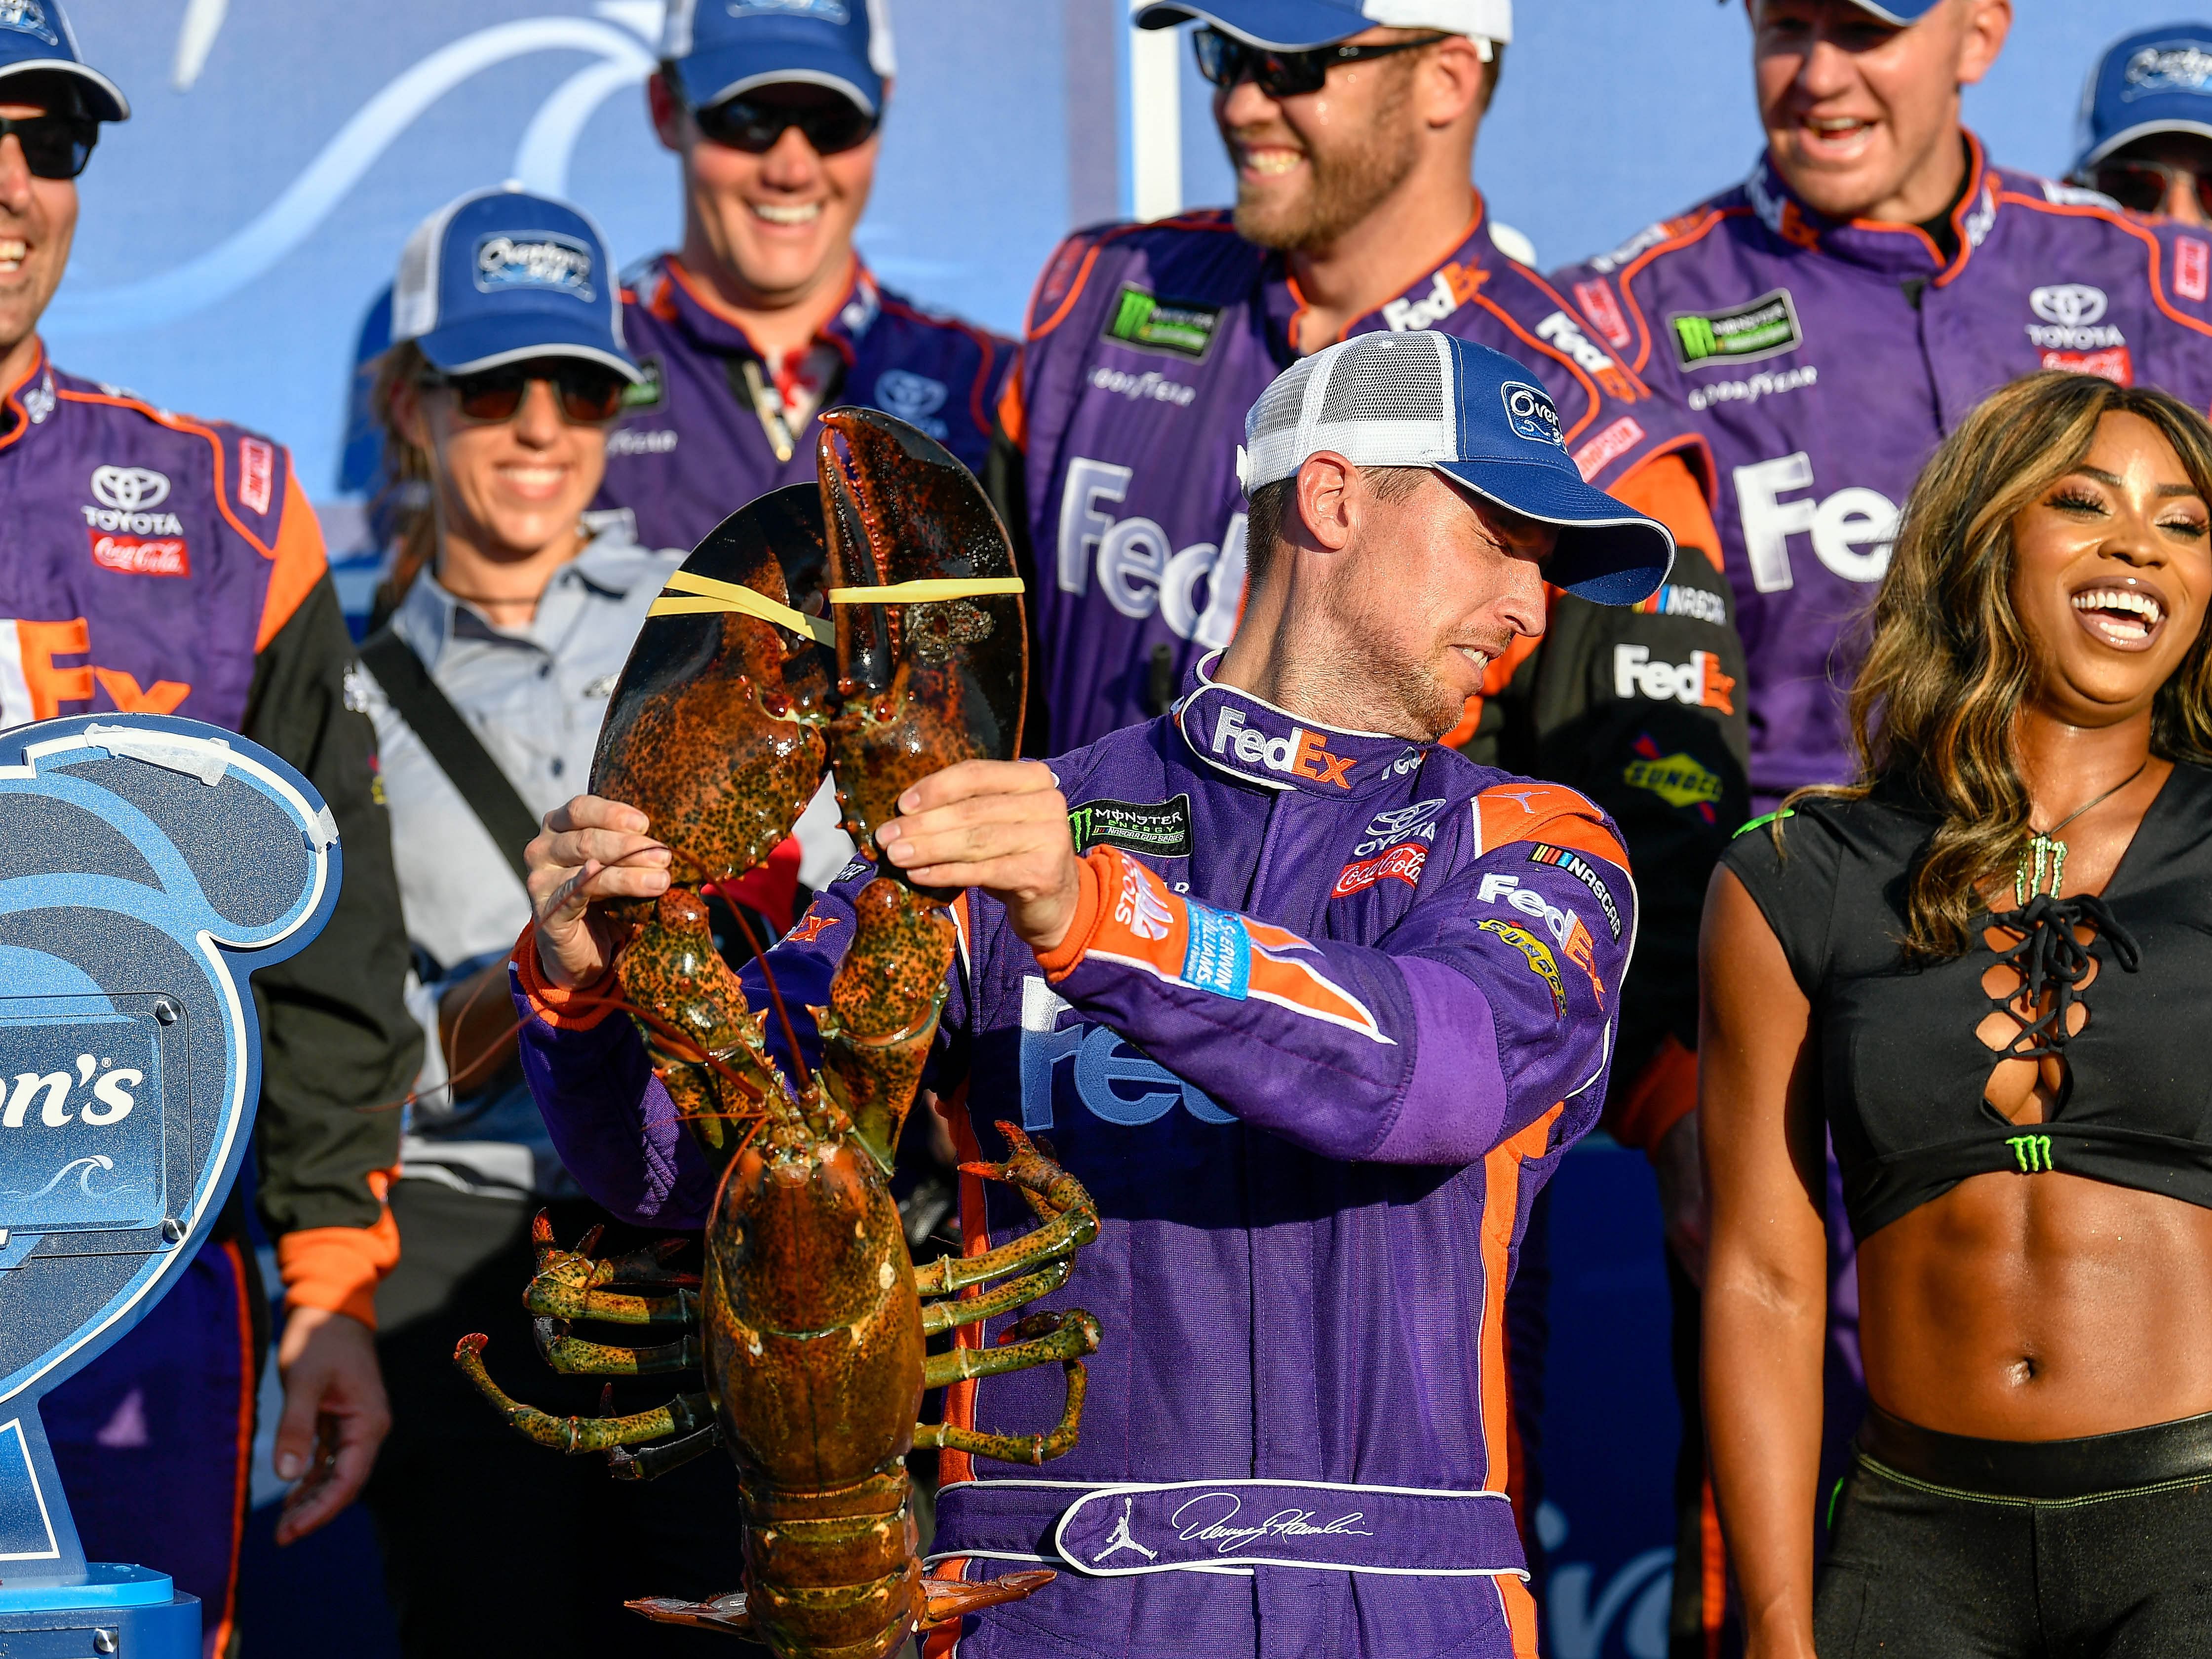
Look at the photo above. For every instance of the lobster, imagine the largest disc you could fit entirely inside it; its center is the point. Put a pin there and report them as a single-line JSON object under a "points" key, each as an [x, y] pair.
{"points": [[811, 1319]]}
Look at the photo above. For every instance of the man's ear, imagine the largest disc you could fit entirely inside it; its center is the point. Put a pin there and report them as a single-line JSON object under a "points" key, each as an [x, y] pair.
{"points": [[1450, 80], [1326, 510], [1988, 23], [666, 108]]}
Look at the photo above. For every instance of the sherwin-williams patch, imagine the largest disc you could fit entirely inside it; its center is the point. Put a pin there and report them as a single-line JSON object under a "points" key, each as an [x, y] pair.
{"points": [[1766, 327], [1182, 328], [1160, 827], [1218, 956]]}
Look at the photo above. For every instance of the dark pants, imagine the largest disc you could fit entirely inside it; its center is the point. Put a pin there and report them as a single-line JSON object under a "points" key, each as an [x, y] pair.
{"points": [[493, 1544], [1918, 1567], [152, 1438]]}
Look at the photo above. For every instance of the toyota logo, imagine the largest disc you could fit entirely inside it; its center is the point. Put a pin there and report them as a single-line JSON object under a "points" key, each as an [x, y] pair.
{"points": [[2069, 305], [130, 488]]}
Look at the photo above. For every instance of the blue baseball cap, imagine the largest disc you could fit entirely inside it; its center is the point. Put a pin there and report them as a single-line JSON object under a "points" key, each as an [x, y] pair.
{"points": [[2154, 81], [1903, 13], [1426, 399], [36, 38], [722, 48], [500, 276], [1298, 25]]}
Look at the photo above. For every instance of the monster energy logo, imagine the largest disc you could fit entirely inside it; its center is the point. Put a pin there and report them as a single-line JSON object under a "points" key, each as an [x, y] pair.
{"points": [[1182, 327], [2032, 1152], [1764, 328], [1159, 828]]}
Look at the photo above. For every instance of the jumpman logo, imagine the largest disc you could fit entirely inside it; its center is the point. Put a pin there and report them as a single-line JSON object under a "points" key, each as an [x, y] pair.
{"points": [[1519, 796], [1118, 1539]]}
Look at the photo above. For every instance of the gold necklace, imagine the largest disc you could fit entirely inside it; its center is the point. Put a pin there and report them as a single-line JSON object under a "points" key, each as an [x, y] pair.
{"points": [[2044, 847]]}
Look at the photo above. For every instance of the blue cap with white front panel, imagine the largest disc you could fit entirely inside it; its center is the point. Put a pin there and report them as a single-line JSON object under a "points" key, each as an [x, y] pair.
{"points": [[724, 48], [2154, 81], [500, 276], [36, 38]]}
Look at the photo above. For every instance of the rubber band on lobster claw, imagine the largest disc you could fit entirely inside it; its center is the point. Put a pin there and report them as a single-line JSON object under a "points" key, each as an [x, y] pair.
{"points": [[809, 1321]]}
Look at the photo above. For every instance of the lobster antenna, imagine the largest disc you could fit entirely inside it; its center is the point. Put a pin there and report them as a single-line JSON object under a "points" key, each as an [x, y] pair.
{"points": [[775, 996]]}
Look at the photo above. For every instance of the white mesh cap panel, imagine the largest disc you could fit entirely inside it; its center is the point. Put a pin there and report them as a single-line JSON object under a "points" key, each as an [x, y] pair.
{"points": [[1488, 19], [415, 289], [881, 57], [1377, 400], [676, 30]]}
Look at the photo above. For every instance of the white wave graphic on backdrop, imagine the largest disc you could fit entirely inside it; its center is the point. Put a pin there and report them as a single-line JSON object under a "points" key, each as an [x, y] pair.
{"points": [[541, 159]]}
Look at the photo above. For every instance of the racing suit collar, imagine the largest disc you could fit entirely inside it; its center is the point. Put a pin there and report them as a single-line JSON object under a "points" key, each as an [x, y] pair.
{"points": [[26, 405], [680, 297], [1445, 284], [1254, 742], [1896, 251]]}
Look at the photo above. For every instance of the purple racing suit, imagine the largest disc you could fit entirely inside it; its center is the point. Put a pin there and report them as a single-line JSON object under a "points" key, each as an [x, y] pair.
{"points": [[1332, 1009], [1145, 346], [694, 447], [1824, 363]]}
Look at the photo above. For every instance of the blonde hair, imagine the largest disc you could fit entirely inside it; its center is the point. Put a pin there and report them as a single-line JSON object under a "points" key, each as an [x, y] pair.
{"points": [[404, 497]]}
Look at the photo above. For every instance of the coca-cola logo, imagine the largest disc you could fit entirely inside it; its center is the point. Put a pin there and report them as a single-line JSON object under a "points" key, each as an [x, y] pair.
{"points": [[1403, 863], [140, 555]]}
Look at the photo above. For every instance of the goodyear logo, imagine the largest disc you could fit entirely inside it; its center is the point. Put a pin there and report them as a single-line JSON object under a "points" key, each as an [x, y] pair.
{"points": [[1541, 961], [1182, 328]]}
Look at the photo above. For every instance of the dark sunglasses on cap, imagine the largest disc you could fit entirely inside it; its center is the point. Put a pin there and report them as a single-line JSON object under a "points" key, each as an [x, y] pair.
{"points": [[590, 394], [754, 125], [1225, 60], [54, 146], [2142, 186]]}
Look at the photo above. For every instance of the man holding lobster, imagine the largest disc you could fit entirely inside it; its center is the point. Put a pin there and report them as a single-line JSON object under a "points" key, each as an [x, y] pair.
{"points": [[1310, 1003]]}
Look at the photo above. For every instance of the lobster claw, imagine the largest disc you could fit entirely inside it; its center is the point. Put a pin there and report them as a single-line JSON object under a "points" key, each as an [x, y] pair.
{"points": [[713, 731], [936, 677]]}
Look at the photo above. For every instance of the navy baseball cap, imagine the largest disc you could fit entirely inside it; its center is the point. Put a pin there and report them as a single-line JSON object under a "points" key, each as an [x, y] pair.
{"points": [[2154, 80], [722, 48], [1296, 25], [500, 276], [1426, 399], [36, 38]]}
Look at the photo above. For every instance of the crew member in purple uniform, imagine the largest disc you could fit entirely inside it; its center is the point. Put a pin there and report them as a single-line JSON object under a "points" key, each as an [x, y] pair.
{"points": [[151, 560], [1824, 324], [1311, 1003], [766, 315]]}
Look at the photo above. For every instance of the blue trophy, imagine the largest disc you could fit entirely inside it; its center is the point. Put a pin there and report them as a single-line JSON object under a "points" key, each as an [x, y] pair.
{"points": [[148, 865]]}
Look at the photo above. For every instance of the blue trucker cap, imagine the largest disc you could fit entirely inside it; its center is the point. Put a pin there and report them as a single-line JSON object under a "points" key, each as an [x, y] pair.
{"points": [[1903, 13], [35, 37], [1295, 25], [722, 48], [1426, 399], [500, 276], [2154, 81]]}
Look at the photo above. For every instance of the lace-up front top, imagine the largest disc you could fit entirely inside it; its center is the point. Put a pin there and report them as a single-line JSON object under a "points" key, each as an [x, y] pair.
{"points": [[2104, 993]]}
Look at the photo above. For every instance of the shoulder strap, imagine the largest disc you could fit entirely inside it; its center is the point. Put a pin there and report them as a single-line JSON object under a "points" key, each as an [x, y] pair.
{"points": [[459, 753]]}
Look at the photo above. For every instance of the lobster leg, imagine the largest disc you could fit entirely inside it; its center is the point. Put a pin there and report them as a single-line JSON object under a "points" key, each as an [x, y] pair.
{"points": [[1072, 1221], [949, 1315], [653, 1461], [1063, 1336], [681, 1415], [571, 1354], [947, 1599], [551, 1296]]}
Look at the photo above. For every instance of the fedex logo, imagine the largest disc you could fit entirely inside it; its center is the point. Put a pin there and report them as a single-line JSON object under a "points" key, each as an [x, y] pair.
{"points": [[34, 684], [1565, 927], [1140, 571], [1114, 1082], [1451, 287], [1571, 340], [1302, 752], [1851, 530], [1698, 682]]}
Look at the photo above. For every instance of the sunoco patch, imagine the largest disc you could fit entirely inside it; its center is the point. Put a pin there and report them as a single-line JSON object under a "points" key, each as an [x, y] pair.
{"points": [[1766, 327], [1160, 827], [1583, 872], [1182, 328]]}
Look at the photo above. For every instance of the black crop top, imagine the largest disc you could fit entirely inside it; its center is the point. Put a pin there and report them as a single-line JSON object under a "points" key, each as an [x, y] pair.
{"points": [[1902, 1070]]}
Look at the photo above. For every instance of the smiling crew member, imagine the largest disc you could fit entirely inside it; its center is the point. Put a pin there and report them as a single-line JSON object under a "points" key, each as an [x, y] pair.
{"points": [[1312, 1143], [1354, 145], [1826, 323], [766, 315], [2147, 123], [161, 563]]}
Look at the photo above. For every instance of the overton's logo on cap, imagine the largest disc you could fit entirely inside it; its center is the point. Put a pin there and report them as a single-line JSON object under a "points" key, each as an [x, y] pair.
{"points": [[2167, 66], [28, 17], [547, 259], [1532, 415]]}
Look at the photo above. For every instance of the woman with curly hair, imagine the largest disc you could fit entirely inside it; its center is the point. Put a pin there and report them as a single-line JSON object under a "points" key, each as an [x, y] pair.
{"points": [[1980, 970]]}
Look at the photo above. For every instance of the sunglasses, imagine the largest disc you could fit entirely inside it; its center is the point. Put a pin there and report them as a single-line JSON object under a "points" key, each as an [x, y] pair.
{"points": [[54, 146], [755, 126], [2142, 186], [589, 394], [1225, 61]]}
